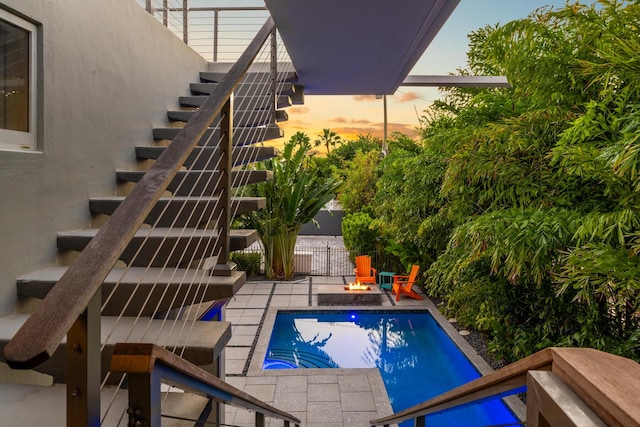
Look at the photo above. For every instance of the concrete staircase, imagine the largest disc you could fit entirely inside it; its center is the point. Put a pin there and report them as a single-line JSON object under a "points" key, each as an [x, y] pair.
{"points": [[142, 288]]}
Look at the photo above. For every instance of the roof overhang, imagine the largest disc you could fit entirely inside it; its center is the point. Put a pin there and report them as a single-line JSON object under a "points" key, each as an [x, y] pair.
{"points": [[455, 81], [357, 47]]}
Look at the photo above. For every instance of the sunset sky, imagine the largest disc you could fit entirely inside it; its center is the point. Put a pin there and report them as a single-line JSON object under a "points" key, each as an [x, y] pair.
{"points": [[352, 115]]}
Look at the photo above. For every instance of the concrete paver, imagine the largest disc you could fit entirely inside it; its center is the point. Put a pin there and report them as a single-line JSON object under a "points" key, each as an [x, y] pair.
{"points": [[327, 397], [318, 397]]}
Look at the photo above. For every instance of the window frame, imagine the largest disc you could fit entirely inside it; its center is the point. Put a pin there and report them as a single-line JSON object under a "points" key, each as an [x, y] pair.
{"points": [[11, 140]]}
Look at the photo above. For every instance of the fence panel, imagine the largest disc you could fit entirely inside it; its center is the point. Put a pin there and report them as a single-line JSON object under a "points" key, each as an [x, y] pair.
{"points": [[328, 260]]}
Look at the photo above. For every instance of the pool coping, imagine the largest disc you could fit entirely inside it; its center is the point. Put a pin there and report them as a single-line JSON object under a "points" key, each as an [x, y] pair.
{"points": [[378, 389]]}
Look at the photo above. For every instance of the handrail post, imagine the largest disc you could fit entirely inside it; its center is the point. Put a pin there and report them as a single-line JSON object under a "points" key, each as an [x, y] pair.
{"points": [[83, 367], [165, 13], [223, 210], [274, 74], [185, 21], [215, 35], [144, 399], [147, 6]]}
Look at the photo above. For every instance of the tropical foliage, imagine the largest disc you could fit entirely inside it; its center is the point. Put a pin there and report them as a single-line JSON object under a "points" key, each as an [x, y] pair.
{"points": [[294, 196], [523, 204], [329, 139]]}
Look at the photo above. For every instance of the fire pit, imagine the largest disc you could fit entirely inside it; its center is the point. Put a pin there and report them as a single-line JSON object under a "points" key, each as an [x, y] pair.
{"points": [[352, 294], [357, 287]]}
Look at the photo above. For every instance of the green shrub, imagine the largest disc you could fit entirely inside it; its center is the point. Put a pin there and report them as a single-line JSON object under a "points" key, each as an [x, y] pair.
{"points": [[247, 262], [357, 232]]}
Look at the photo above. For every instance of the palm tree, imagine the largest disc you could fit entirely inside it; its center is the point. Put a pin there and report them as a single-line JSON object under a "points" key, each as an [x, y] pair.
{"points": [[294, 196], [329, 138]]}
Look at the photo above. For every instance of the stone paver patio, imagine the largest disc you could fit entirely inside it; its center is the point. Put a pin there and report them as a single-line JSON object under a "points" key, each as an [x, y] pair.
{"points": [[319, 397]]}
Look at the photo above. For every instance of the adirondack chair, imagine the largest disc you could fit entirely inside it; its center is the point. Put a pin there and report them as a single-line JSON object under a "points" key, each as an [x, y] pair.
{"points": [[402, 284], [364, 272]]}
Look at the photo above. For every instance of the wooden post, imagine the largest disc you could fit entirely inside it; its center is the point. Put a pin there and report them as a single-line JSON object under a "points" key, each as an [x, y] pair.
{"points": [[83, 367], [551, 402], [144, 399], [223, 210], [274, 75]]}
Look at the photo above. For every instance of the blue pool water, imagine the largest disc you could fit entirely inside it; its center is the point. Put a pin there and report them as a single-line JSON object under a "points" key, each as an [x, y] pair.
{"points": [[416, 358]]}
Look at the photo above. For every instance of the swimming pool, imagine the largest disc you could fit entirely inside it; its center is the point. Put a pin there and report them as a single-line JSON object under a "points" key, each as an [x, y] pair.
{"points": [[416, 358]]}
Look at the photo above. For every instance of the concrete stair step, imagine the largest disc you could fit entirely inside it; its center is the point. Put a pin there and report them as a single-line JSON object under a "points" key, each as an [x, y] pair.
{"points": [[256, 66], [180, 211], [201, 183], [240, 102], [202, 346], [241, 118], [206, 158], [241, 136], [243, 89], [297, 96], [282, 76], [162, 246], [142, 291]]}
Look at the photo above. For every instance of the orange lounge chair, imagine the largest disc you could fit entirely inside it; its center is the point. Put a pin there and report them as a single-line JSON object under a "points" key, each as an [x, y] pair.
{"points": [[364, 272], [403, 284]]}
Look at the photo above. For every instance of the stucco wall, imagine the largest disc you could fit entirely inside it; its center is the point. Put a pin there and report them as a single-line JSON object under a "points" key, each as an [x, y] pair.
{"points": [[109, 74]]}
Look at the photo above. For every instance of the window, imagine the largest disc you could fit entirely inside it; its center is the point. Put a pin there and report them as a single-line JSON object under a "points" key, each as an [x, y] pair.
{"points": [[17, 83]]}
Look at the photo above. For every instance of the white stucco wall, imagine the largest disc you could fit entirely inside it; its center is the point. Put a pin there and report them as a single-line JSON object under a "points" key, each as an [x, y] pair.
{"points": [[109, 72]]}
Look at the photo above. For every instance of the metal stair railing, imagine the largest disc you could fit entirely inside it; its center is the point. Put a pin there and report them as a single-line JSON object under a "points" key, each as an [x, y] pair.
{"points": [[146, 365], [218, 33], [565, 387], [72, 307]]}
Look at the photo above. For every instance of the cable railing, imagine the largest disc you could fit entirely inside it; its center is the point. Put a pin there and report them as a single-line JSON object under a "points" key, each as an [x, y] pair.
{"points": [[175, 249], [219, 34]]}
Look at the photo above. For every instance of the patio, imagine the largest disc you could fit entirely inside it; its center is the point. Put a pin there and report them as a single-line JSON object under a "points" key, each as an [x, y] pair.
{"points": [[319, 397]]}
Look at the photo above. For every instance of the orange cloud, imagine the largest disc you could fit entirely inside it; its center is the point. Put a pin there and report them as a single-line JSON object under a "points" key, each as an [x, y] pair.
{"points": [[406, 96], [352, 121], [298, 110], [364, 98], [375, 130]]}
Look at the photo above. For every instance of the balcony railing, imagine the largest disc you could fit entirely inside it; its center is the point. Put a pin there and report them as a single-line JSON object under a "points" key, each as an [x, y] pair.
{"points": [[219, 34]]}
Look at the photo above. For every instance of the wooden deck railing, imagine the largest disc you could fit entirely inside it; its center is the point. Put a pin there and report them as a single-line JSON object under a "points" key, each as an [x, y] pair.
{"points": [[565, 386], [146, 364]]}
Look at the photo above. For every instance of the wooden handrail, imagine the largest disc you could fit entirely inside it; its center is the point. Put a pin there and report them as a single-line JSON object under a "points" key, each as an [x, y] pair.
{"points": [[143, 359], [608, 384], [483, 387], [41, 334]]}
